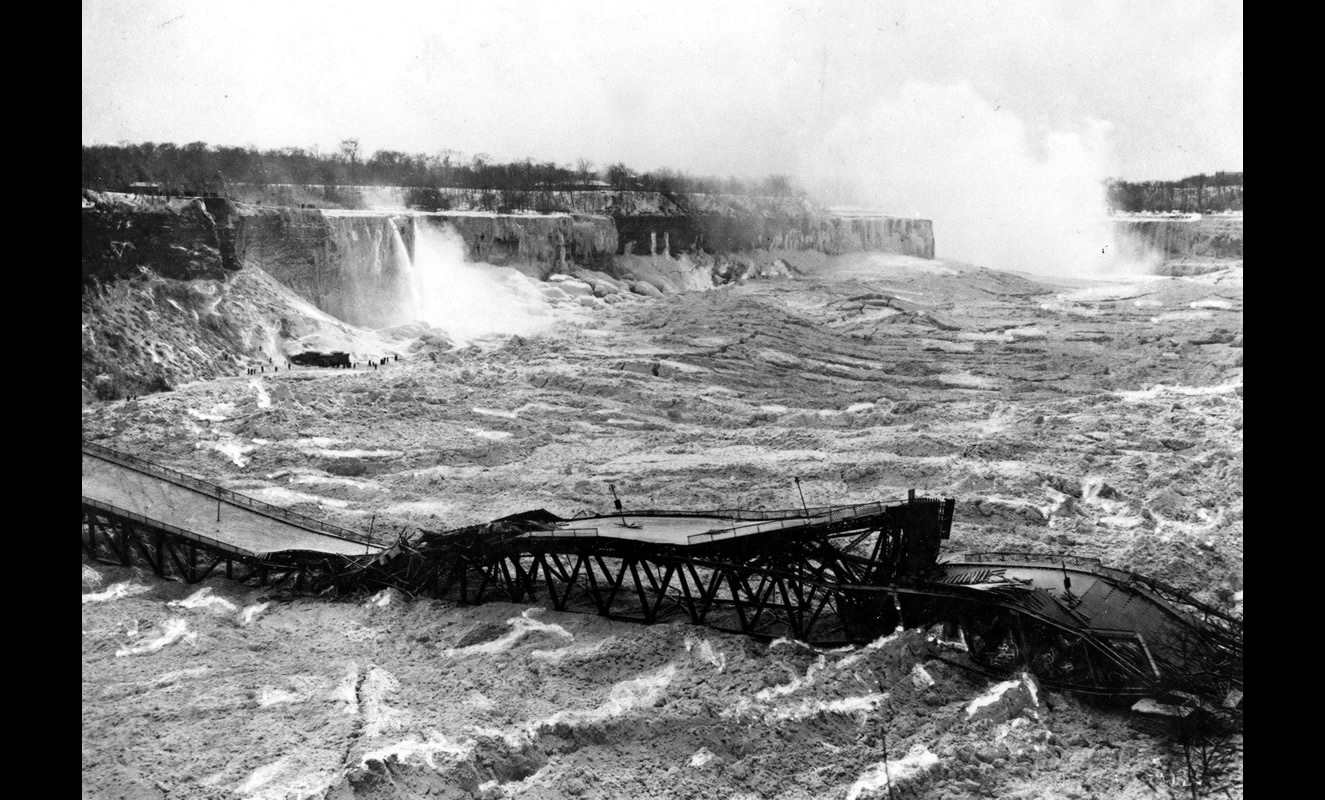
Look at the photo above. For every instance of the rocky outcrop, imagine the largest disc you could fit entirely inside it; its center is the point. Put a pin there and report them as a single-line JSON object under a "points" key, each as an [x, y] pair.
{"points": [[173, 237]]}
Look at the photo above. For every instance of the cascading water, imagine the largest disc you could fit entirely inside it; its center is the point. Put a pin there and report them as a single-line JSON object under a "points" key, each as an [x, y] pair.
{"points": [[469, 300], [410, 307], [364, 274]]}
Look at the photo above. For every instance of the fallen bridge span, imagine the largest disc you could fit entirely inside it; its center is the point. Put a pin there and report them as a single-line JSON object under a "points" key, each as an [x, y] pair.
{"points": [[826, 576], [138, 512]]}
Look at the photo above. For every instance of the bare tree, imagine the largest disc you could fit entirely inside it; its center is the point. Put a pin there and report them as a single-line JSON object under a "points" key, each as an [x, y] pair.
{"points": [[1201, 675], [349, 153], [619, 176], [1202, 752], [480, 164], [584, 169]]}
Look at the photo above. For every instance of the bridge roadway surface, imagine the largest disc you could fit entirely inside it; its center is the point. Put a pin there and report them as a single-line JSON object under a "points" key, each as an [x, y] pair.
{"points": [[679, 529], [658, 530], [247, 531]]}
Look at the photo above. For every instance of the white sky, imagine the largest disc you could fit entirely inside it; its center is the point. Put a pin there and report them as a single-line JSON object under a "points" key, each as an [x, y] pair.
{"points": [[908, 106], [746, 88]]}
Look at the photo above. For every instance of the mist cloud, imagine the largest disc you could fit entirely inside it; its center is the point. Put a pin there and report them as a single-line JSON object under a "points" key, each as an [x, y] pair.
{"points": [[1001, 193], [469, 300], [986, 120]]}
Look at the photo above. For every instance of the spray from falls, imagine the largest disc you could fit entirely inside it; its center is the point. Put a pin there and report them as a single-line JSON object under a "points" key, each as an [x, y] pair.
{"points": [[468, 300], [364, 270], [410, 304], [1002, 192]]}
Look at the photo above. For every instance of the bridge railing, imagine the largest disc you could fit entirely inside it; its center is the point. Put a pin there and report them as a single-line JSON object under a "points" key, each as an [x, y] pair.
{"points": [[1169, 594], [1052, 559], [165, 526], [776, 520], [735, 513], [561, 533], [828, 515], [226, 495]]}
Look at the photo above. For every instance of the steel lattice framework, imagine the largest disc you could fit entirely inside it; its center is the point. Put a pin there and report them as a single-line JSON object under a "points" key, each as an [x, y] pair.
{"points": [[826, 576]]}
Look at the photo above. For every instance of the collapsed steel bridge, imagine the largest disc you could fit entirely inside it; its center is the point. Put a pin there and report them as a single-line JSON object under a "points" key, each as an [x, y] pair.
{"points": [[827, 576], [138, 513]]}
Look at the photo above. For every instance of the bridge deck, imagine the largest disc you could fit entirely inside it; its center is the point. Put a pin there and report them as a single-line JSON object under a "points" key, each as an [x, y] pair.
{"points": [[659, 530], [677, 529], [245, 530], [1098, 602]]}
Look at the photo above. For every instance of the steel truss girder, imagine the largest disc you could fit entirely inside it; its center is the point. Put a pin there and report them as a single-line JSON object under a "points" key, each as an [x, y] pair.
{"points": [[111, 539], [761, 598], [818, 589]]}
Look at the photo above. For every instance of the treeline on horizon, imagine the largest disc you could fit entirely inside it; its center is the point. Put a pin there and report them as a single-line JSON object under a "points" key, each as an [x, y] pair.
{"points": [[200, 167], [1194, 193]]}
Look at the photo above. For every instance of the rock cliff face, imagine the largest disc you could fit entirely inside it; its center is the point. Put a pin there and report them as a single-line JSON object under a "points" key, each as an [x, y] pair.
{"points": [[719, 233], [535, 244], [649, 223], [1209, 237], [174, 237], [644, 222], [352, 265], [357, 265]]}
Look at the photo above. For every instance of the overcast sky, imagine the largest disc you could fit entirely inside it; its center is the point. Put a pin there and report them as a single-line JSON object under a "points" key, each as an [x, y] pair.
{"points": [[713, 87], [881, 100]]}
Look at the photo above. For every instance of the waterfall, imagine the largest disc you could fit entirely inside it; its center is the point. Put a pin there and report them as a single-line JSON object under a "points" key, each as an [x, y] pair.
{"points": [[364, 274], [410, 307], [469, 300], [367, 271]]}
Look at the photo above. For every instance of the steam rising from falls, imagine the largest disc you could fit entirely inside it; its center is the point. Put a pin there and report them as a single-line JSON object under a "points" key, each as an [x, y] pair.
{"points": [[1001, 192], [468, 300]]}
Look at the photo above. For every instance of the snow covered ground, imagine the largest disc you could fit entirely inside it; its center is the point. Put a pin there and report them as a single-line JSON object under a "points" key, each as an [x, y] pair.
{"points": [[1115, 434]]}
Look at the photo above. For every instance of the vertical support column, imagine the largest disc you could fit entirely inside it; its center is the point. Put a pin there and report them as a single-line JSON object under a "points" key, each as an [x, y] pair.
{"points": [[1090, 663], [159, 546], [736, 598], [123, 543], [592, 583], [1022, 644], [90, 543], [645, 608]]}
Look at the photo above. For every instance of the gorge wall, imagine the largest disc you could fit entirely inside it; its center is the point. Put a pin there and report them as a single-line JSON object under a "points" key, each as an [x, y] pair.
{"points": [[358, 264], [167, 298], [174, 237], [645, 222], [354, 264], [720, 224], [1173, 238]]}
